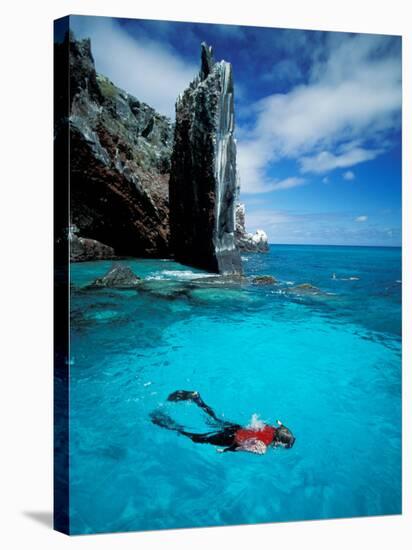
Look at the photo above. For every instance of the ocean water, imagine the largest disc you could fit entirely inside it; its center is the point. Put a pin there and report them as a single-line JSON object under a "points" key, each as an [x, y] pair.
{"points": [[327, 364]]}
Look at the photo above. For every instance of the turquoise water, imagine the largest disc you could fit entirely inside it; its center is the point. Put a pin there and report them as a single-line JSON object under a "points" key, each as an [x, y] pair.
{"points": [[328, 365]]}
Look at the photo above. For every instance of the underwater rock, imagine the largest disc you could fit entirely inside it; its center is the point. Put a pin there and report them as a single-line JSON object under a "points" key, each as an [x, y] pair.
{"points": [[216, 285], [118, 276], [222, 295], [83, 250], [305, 288], [264, 280], [203, 182], [166, 289], [220, 288], [249, 242], [221, 280]]}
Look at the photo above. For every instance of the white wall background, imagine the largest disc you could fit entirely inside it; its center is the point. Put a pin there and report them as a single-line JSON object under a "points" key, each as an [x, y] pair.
{"points": [[26, 269]]}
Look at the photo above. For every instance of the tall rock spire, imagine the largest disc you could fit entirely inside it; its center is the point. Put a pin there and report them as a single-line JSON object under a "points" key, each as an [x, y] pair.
{"points": [[207, 60], [203, 179]]}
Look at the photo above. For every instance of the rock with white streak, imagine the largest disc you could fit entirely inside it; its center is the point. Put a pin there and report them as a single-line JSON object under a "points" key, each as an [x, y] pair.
{"points": [[202, 186]]}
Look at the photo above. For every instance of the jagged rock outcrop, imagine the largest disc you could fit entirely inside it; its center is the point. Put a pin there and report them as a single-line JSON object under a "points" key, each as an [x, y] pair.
{"points": [[120, 152], [120, 162], [202, 185], [305, 289], [264, 280], [83, 250], [249, 242], [118, 276]]}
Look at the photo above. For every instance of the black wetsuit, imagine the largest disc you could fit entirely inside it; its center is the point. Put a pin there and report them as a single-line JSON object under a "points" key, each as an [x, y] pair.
{"points": [[223, 436]]}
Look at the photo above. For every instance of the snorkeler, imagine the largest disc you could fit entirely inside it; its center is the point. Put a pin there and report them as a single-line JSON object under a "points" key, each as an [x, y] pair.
{"points": [[233, 437]]}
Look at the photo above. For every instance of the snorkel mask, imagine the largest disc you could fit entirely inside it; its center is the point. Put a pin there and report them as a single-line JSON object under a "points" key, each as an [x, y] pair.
{"points": [[283, 437]]}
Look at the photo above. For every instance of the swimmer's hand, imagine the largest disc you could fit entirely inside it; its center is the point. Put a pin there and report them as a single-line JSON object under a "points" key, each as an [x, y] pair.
{"points": [[253, 446]]}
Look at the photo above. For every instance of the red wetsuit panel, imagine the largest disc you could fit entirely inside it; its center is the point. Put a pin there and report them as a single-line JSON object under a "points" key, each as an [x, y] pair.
{"points": [[266, 435]]}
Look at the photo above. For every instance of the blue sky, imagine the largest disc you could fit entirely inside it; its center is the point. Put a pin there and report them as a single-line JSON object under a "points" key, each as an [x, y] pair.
{"points": [[318, 118]]}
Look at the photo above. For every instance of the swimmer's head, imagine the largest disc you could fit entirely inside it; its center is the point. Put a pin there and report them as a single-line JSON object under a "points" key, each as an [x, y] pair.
{"points": [[283, 437]]}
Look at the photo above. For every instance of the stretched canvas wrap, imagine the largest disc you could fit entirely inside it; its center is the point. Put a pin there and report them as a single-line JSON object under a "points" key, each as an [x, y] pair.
{"points": [[227, 275]]}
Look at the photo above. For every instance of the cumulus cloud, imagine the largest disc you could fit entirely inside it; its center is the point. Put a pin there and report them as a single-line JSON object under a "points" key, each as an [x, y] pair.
{"points": [[339, 118], [252, 159], [152, 71], [348, 176], [361, 219], [251, 162]]}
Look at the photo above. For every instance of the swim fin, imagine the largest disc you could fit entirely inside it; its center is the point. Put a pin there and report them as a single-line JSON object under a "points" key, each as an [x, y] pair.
{"points": [[183, 395], [194, 396], [164, 421]]}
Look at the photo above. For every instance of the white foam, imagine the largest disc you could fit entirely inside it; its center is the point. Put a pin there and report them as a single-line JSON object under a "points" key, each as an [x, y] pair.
{"points": [[155, 278], [256, 423], [179, 275]]}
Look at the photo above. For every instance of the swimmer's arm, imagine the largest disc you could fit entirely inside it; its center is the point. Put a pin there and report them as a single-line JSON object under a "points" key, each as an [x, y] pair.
{"points": [[249, 446], [253, 446]]}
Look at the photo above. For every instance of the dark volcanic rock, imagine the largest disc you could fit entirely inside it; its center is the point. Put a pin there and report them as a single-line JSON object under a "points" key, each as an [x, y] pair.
{"points": [[118, 276], [228, 280], [306, 289], [83, 250], [264, 280], [249, 242], [203, 171], [120, 152]]}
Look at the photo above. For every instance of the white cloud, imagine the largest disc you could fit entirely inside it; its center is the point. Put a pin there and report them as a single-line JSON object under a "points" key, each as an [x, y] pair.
{"points": [[252, 159], [288, 183], [348, 176], [269, 219], [296, 227], [150, 70], [361, 219], [351, 100], [326, 161]]}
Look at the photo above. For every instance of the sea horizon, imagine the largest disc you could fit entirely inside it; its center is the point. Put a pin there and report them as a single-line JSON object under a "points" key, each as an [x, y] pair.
{"points": [[337, 245]]}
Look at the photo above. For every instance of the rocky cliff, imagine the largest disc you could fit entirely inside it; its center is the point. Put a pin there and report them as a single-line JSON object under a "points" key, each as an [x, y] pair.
{"points": [[120, 152], [249, 242], [203, 171]]}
